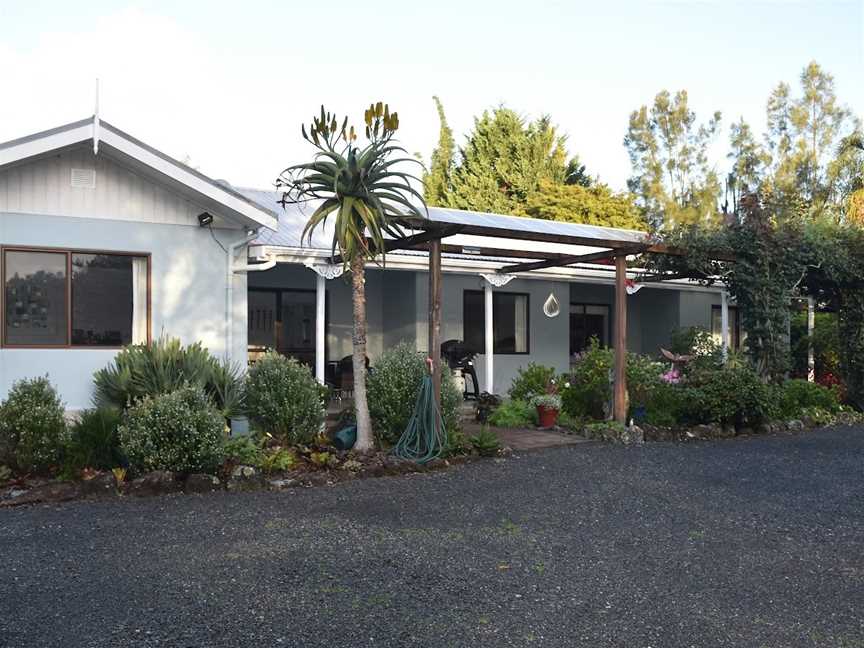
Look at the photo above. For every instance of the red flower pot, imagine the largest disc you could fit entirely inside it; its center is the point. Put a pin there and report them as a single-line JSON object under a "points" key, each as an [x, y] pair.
{"points": [[548, 416]]}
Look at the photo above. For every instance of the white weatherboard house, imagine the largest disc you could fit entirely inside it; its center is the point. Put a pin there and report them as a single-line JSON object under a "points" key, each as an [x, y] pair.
{"points": [[105, 241]]}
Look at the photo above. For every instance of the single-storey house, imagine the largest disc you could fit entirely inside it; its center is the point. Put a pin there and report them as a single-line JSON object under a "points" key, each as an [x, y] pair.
{"points": [[105, 241]]}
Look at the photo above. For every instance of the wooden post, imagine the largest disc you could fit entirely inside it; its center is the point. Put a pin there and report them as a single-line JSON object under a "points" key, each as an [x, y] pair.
{"points": [[435, 314], [811, 328], [620, 386], [724, 323]]}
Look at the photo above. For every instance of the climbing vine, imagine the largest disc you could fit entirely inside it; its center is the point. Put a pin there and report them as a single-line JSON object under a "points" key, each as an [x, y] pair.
{"points": [[766, 259]]}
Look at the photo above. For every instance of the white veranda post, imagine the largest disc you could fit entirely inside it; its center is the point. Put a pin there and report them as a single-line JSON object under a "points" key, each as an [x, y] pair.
{"points": [[496, 280], [323, 272], [724, 322]]}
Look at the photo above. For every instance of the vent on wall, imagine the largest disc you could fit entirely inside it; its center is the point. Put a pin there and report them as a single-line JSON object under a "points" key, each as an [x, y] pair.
{"points": [[84, 178]]}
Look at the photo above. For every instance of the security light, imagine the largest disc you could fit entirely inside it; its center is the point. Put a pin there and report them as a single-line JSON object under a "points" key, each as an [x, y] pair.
{"points": [[205, 218]]}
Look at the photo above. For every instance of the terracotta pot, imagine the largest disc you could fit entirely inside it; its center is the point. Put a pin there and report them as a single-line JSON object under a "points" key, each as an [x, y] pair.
{"points": [[548, 416]]}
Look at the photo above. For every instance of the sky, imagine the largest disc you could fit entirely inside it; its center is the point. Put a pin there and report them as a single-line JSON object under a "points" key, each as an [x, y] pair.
{"points": [[226, 86]]}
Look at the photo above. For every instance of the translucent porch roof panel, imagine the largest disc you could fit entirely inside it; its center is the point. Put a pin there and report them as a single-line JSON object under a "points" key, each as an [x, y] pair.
{"points": [[523, 228]]}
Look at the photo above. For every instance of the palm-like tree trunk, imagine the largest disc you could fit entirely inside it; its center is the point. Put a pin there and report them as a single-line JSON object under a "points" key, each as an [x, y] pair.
{"points": [[364, 423]]}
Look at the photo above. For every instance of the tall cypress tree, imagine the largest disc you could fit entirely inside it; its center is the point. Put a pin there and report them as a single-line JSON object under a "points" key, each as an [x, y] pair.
{"points": [[437, 180]]}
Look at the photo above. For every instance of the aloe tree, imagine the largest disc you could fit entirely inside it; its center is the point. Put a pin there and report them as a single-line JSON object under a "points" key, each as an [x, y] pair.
{"points": [[368, 198]]}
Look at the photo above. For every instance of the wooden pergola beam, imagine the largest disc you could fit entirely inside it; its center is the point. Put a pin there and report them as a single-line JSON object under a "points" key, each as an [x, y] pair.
{"points": [[410, 241], [571, 259]]}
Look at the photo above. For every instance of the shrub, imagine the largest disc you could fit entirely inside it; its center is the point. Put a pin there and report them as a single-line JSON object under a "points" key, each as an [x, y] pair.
{"points": [[180, 431], [732, 396], [392, 388], [457, 444], [32, 427], [485, 442], [284, 399], [531, 381], [164, 366], [797, 395], [93, 441], [243, 450], [587, 391], [668, 405], [514, 414]]}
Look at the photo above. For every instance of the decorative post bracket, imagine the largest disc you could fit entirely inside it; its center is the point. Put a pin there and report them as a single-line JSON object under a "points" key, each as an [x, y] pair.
{"points": [[326, 270], [498, 280]]}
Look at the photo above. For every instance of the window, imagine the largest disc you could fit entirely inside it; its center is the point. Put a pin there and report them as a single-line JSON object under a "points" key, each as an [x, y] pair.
{"points": [[80, 299], [509, 322], [588, 321], [735, 338], [283, 320]]}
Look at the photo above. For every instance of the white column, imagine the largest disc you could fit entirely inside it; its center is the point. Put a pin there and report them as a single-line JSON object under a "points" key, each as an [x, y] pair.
{"points": [[497, 280], [320, 332], [323, 272], [724, 322], [811, 327], [489, 332]]}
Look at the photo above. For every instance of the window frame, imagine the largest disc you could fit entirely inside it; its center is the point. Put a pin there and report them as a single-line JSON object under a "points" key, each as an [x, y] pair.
{"points": [[609, 314], [69, 252], [736, 343], [482, 351]]}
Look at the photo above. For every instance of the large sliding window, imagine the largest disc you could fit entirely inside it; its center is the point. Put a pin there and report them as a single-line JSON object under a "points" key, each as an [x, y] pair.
{"points": [[62, 298], [510, 324]]}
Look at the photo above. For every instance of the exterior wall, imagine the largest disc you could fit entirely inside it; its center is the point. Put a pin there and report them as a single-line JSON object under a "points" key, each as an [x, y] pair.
{"points": [[695, 308], [188, 292], [44, 187], [397, 310]]}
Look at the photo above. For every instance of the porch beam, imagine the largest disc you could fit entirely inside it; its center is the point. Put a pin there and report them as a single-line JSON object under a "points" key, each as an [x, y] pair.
{"points": [[724, 323], [410, 241], [435, 315], [489, 341], [620, 373], [811, 328], [570, 260]]}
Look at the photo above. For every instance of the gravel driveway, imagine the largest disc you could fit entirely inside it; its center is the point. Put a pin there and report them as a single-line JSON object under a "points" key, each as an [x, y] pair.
{"points": [[745, 542]]}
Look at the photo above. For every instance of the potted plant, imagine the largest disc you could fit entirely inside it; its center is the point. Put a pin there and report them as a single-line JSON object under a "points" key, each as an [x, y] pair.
{"points": [[548, 405]]}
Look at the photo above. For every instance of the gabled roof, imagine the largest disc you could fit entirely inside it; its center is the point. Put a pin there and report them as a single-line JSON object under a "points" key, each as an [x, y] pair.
{"points": [[117, 144]]}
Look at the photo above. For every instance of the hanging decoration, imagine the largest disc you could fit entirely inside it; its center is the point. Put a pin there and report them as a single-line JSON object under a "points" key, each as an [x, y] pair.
{"points": [[551, 307], [632, 287]]}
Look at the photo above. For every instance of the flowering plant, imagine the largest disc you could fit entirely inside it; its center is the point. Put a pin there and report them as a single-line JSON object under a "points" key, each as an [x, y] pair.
{"points": [[549, 401], [671, 377]]}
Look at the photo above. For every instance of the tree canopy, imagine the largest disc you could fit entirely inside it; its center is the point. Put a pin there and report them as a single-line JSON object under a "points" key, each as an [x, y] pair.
{"points": [[672, 178]]}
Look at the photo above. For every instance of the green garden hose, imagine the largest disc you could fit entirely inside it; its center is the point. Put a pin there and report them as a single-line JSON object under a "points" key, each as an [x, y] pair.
{"points": [[423, 440]]}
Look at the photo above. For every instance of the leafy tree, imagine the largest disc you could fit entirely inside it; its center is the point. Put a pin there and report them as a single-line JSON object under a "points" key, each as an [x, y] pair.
{"points": [[749, 160], [668, 150], [803, 136], [503, 161], [437, 181], [596, 204], [368, 198], [575, 173]]}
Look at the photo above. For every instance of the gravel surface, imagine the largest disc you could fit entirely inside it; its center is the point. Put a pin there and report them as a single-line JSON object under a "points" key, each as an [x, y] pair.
{"points": [[745, 542]]}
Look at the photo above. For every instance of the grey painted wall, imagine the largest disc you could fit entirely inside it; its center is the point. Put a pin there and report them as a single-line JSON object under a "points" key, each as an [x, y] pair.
{"points": [[188, 278], [695, 308]]}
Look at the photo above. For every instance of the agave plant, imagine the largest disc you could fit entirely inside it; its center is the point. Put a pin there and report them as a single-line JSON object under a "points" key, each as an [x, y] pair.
{"points": [[369, 199]]}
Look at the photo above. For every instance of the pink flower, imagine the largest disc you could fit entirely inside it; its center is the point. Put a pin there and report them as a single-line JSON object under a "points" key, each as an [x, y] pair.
{"points": [[671, 377]]}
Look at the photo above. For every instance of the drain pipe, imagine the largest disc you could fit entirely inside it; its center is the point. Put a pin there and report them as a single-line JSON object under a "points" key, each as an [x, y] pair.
{"points": [[231, 270]]}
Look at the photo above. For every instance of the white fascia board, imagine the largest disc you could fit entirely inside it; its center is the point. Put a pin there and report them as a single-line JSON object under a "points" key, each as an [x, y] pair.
{"points": [[300, 255], [29, 148], [188, 179]]}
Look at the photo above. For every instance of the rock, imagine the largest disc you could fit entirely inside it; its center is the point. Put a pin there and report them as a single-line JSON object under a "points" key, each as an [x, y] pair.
{"points": [[633, 435], [201, 483], [706, 431], [281, 484], [351, 465], [243, 472], [795, 426], [245, 478], [316, 479], [158, 482], [50, 492], [101, 484]]}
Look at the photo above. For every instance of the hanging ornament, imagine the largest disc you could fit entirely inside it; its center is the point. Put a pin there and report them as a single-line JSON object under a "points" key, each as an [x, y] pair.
{"points": [[551, 308], [632, 287]]}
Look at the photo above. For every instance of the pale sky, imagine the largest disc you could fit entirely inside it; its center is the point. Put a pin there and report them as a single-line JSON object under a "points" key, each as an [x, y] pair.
{"points": [[228, 84]]}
